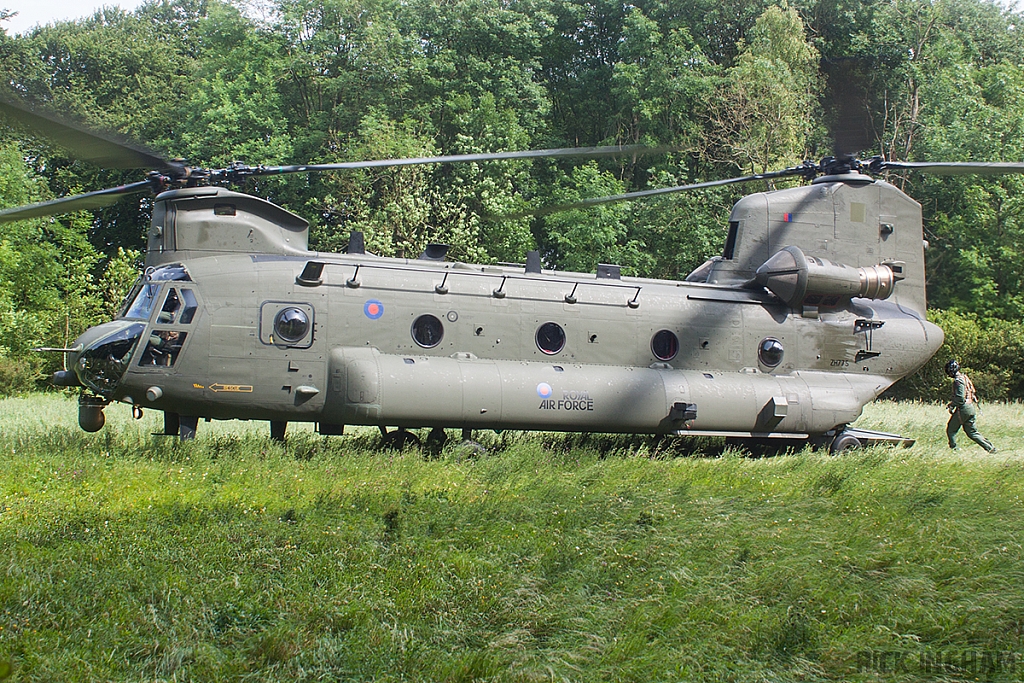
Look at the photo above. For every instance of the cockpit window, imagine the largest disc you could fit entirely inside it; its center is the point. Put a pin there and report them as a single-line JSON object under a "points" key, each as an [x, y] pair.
{"points": [[142, 306], [163, 348], [172, 271], [191, 306], [172, 304]]}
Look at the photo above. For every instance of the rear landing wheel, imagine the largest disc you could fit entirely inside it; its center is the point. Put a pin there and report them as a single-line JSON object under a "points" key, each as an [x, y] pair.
{"points": [[844, 442]]}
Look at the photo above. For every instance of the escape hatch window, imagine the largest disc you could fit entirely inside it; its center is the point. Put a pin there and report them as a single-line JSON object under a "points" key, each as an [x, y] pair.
{"points": [[287, 324], [291, 325], [427, 331], [770, 352], [664, 345], [550, 338]]}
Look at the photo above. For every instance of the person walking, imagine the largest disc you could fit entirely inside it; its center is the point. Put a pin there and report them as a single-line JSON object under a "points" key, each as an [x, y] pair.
{"points": [[963, 409]]}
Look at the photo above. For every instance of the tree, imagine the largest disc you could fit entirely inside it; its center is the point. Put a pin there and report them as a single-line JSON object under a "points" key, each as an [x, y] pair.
{"points": [[762, 117]]}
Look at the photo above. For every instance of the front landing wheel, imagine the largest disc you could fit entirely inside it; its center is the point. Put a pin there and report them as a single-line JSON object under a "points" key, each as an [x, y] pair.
{"points": [[398, 440]]}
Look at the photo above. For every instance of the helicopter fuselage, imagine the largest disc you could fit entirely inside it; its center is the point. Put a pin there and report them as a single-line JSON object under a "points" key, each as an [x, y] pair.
{"points": [[222, 329]]}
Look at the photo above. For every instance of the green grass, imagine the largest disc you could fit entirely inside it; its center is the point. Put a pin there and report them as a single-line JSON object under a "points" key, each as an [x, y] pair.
{"points": [[129, 557]]}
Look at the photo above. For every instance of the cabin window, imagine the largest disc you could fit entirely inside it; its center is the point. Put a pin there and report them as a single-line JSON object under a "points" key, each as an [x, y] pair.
{"points": [[770, 352], [427, 331], [163, 348], [550, 338], [291, 325], [664, 345]]}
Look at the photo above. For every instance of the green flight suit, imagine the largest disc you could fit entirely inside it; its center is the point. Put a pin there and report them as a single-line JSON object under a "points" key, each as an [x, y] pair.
{"points": [[964, 413]]}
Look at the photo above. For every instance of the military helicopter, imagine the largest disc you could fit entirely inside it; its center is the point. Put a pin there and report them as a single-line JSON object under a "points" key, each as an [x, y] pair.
{"points": [[815, 306]]}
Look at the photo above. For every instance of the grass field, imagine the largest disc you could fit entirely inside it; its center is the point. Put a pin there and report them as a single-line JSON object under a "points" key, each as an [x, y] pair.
{"points": [[128, 557]]}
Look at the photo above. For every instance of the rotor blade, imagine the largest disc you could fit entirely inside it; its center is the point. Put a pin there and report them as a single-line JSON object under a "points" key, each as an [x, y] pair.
{"points": [[492, 156], [87, 145], [78, 202], [596, 201], [851, 122], [954, 167]]}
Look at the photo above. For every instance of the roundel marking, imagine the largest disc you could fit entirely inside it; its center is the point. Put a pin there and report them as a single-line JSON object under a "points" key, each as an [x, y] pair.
{"points": [[373, 309], [544, 390]]}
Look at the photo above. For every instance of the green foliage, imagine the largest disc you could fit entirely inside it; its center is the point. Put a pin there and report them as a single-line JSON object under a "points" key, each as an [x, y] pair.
{"points": [[17, 376], [579, 239], [762, 119], [118, 277], [722, 84], [47, 292], [991, 351]]}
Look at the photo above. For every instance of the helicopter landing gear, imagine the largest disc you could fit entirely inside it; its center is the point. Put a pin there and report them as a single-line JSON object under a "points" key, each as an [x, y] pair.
{"points": [[469, 446], [844, 441], [187, 425], [171, 424], [436, 440], [277, 429], [398, 439]]}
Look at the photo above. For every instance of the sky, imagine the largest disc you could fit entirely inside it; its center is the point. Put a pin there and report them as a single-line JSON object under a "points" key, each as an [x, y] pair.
{"points": [[34, 12]]}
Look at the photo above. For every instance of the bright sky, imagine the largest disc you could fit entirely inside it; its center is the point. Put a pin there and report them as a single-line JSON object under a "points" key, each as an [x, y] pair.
{"points": [[34, 12]]}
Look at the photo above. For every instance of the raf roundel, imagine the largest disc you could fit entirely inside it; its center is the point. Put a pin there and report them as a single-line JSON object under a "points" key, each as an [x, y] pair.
{"points": [[373, 309], [544, 390]]}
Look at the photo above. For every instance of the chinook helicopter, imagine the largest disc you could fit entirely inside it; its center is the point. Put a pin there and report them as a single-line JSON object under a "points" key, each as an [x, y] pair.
{"points": [[815, 306]]}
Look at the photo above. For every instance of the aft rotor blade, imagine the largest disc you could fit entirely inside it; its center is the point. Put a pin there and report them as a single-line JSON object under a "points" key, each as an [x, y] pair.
{"points": [[848, 88], [78, 202], [456, 158], [89, 145], [953, 167], [627, 196]]}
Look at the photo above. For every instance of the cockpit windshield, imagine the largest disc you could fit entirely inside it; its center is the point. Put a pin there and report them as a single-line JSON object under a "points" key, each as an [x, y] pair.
{"points": [[142, 306], [139, 303]]}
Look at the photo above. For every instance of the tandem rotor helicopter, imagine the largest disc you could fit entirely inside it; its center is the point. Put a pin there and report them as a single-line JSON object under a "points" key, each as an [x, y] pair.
{"points": [[815, 306]]}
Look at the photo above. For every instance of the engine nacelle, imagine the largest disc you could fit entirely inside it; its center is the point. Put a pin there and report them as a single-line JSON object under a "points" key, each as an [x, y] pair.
{"points": [[798, 279]]}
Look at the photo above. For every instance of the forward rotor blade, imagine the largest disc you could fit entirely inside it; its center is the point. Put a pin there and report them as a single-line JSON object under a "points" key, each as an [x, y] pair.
{"points": [[954, 167], [88, 145], [78, 202], [493, 156]]}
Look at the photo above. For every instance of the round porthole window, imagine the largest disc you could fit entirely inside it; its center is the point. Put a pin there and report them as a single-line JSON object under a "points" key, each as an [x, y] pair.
{"points": [[770, 352], [664, 345], [427, 331], [291, 325], [550, 338]]}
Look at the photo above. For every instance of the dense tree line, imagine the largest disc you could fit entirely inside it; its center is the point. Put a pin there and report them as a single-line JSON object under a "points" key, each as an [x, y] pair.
{"points": [[729, 87]]}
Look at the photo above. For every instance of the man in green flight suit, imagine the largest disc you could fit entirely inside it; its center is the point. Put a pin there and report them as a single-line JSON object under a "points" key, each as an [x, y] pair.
{"points": [[963, 409]]}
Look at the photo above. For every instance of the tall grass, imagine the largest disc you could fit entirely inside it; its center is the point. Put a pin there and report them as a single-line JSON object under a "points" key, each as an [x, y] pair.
{"points": [[131, 557]]}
